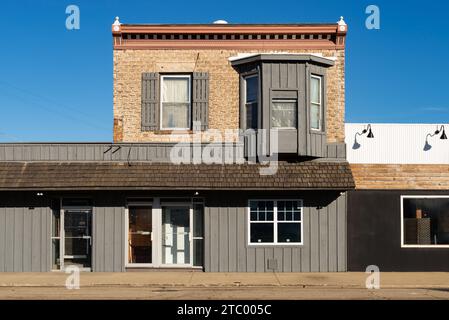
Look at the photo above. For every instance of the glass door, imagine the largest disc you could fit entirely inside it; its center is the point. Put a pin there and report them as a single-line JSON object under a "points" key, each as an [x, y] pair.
{"points": [[176, 235], [78, 237], [140, 237]]}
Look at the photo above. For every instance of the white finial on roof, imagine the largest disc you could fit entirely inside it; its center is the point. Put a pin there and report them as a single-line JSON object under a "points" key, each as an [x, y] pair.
{"points": [[220, 22], [116, 24], [341, 24]]}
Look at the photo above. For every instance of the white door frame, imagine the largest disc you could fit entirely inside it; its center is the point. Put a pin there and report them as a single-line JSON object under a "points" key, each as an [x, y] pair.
{"points": [[186, 205], [156, 232]]}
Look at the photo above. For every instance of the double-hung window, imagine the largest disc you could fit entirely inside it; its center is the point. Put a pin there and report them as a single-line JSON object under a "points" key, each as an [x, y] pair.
{"points": [[275, 222], [316, 102], [251, 101], [175, 102]]}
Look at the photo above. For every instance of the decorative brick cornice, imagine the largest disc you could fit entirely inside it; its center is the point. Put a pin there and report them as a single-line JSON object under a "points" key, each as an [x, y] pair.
{"points": [[229, 36]]}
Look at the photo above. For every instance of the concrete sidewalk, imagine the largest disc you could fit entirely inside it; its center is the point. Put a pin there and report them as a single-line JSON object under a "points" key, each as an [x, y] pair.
{"points": [[209, 280]]}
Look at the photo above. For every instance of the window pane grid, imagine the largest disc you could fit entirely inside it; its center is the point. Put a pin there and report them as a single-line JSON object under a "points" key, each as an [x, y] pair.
{"points": [[285, 226], [262, 211], [289, 211]]}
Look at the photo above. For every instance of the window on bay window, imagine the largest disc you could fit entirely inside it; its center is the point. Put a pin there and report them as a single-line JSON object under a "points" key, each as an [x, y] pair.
{"points": [[284, 114], [316, 103], [251, 101]]}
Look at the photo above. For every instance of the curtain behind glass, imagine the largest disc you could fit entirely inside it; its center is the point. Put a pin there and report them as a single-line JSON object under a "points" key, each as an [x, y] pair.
{"points": [[283, 114], [315, 90], [175, 90], [175, 103], [315, 116], [315, 102]]}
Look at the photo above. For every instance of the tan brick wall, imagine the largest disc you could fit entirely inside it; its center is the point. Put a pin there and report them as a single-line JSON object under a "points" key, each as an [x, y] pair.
{"points": [[401, 176], [223, 86]]}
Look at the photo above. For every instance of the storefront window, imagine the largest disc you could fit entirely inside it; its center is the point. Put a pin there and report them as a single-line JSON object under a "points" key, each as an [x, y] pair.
{"points": [[425, 221]]}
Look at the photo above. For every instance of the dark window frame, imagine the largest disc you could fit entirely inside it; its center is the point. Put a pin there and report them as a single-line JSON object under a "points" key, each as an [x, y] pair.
{"points": [[254, 104]]}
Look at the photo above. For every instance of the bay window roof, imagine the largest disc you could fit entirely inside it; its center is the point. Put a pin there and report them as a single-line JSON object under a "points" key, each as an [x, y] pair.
{"points": [[258, 57]]}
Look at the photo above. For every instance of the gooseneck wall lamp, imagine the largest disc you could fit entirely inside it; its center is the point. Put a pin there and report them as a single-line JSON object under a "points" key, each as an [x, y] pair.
{"points": [[370, 135], [443, 136]]}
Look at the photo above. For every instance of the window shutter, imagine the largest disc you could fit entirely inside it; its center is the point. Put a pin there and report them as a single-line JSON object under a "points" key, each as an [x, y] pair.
{"points": [[200, 98], [150, 101]]}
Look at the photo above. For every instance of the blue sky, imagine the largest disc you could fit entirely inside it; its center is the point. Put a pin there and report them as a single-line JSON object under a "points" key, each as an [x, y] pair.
{"points": [[56, 85]]}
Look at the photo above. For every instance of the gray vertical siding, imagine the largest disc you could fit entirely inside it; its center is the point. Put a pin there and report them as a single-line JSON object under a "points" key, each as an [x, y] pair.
{"points": [[281, 80], [153, 152], [25, 234], [25, 239], [316, 139], [146, 152], [323, 250], [342, 237], [108, 239]]}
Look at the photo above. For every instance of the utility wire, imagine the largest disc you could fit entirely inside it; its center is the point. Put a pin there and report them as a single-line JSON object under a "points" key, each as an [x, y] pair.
{"points": [[52, 110], [40, 96]]}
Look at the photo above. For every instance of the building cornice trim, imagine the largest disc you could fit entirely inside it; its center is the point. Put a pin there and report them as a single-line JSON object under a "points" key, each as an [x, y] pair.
{"points": [[326, 36]]}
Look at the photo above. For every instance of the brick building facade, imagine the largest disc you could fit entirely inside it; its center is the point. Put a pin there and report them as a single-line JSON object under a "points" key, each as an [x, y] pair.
{"points": [[278, 205]]}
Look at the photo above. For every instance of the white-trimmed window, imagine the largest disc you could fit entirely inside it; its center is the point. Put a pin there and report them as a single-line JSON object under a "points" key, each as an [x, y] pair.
{"points": [[316, 102], [425, 221], [275, 222], [175, 102]]}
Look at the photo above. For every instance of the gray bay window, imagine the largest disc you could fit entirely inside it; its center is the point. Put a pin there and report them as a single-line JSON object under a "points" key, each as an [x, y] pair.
{"points": [[286, 93]]}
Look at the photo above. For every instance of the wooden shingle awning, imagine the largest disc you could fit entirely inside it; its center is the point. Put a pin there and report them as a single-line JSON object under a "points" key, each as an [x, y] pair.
{"points": [[309, 175]]}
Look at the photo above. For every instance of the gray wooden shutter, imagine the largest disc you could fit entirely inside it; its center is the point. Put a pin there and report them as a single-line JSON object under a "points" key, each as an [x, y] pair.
{"points": [[150, 101], [200, 98]]}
